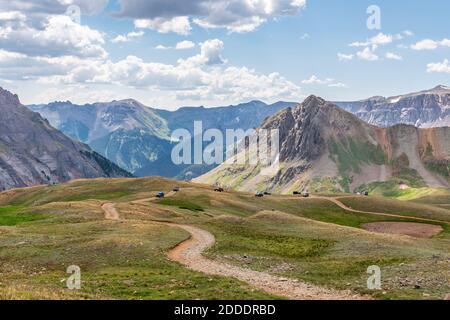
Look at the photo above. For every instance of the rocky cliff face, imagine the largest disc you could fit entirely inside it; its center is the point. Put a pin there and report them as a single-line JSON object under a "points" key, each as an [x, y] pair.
{"points": [[425, 109], [32, 152], [324, 148]]}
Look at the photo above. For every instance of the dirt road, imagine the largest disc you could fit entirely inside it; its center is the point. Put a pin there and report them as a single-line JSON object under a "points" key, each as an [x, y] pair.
{"points": [[189, 253], [110, 211], [343, 206]]}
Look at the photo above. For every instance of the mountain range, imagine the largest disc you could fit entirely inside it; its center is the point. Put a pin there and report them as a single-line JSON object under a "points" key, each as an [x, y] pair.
{"points": [[424, 109], [326, 149], [32, 152], [138, 138]]}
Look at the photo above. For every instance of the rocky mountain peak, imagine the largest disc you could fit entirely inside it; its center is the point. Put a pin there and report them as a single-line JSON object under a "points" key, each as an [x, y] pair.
{"points": [[8, 99], [313, 101]]}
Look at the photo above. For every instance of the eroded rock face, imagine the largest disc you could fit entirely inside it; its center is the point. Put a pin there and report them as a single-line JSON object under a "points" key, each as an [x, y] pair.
{"points": [[425, 109], [32, 152]]}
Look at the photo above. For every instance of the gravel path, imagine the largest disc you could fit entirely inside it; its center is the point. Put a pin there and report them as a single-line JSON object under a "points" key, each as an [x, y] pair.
{"points": [[189, 253], [110, 211]]}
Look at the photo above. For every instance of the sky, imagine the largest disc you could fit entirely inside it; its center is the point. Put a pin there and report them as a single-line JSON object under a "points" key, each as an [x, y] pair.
{"points": [[173, 53]]}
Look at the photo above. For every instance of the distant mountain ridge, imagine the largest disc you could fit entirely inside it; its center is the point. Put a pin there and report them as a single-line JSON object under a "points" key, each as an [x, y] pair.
{"points": [[424, 109], [324, 148], [32, 152], [137, 137]]}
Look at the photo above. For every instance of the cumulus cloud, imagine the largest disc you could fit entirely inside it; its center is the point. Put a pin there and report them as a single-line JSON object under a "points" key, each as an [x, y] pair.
{"points": [[345, 57], [367, 54], [393, 56], [54, 7], [179, 25], [59, 36], [205, 76], [429, 44], [314, 80], [372, 45], [127, 37], [233, 15], [210, 54], [439, 67], [162, 47], [380, 39], [183, 45]]}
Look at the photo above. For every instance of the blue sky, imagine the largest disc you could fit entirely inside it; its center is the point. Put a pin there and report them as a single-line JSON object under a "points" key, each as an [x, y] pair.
{"points": [[229, 51]]}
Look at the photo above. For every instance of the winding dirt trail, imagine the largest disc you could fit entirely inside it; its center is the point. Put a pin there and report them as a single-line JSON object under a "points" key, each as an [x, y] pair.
{"points": [[110, 212], [190, 254], [343, 206]]}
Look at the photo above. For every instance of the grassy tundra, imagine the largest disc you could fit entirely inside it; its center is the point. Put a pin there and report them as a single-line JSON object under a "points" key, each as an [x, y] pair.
{"points": [[43, 230]]}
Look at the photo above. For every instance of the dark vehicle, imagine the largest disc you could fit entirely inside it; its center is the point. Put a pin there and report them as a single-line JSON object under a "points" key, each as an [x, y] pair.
{"points": [[259, 195], [366, 193], [296, 193], [160, 195], [219, 190], [267, 193], [176, 189]]}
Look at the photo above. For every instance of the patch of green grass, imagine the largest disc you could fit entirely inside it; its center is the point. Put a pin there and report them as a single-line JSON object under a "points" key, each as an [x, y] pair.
{"points": [[245, 239], [182, 204], [117, 261], [15, 215], [350, 154], [383, 205], [326, 211]]}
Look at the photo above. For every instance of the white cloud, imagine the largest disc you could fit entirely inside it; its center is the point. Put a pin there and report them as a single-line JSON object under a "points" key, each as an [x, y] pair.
{"points": [[210, 54], [367, 54], [127, 37], [53, 7], [439, 67], [179, 25], [162, 47], [380, 39], [59, 36], [233, 15], [345, 57], [338, 85], [408, 33], [241, 26], [205, 76], [305, 36], [429, 44], [12, 16], [393, 56], [183, 45], [314, 80]]}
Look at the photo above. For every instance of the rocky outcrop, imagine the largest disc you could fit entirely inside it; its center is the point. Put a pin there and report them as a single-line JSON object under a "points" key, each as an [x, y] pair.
{"points": [[32, 152]]}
